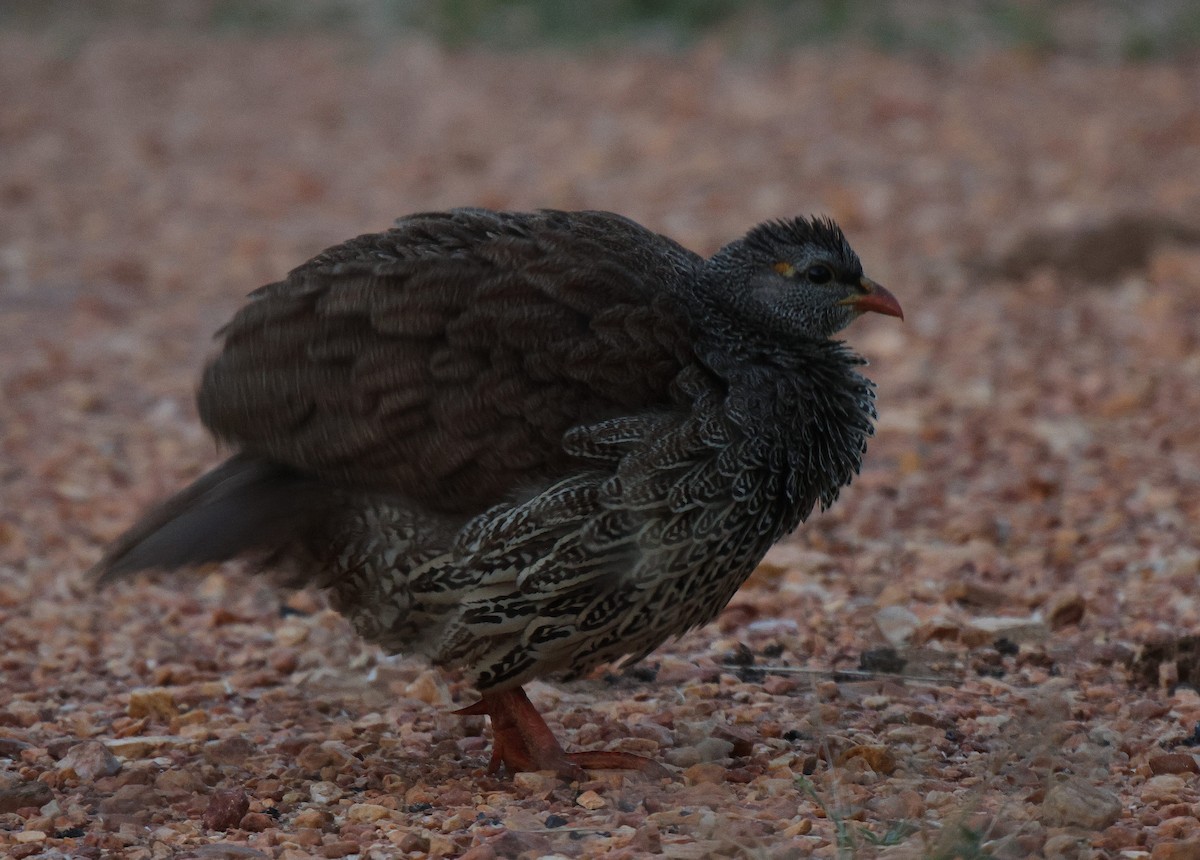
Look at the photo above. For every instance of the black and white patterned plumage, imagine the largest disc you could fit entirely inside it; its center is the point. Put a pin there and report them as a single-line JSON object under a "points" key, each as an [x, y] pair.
{"points": [[529, 443]]}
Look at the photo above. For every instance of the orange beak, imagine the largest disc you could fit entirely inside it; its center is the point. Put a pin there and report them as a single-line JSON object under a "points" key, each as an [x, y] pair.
{"points": [[874, 298]]}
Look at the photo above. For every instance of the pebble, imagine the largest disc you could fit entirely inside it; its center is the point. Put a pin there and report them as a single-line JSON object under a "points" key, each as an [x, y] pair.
{"points": [[1065, 609], [153, 702], [23, 795], [705, 772], [367, 812], [256, 822], [11, 747], [430, 688], [479, 852], [773, 627], [1173, 763], [896, 624], [291, 634], [1077, 803], [131, 799], [88, 760], [535, 782], [224, 851], [31, 836], [225, 809], [143, 745], [591, 800], [315, 819], [178, 783], [324, 793], [988, 629], [1187, 850], [879, 758], [1066, 846], [316, 757], [1177, 827], [1165, 788], [231, 751], [801, 828], [714, 749]]}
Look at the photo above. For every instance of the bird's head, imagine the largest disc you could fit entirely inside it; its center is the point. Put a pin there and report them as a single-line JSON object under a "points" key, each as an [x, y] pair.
{"points": [[797, 276]]}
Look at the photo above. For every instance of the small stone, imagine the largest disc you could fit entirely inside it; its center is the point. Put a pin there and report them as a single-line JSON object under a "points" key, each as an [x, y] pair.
{"points": [[225, 851], [23, 795], [230, 751], [742, 739], [316, 757], [705, 772], [89, 760], [1066, 846], [132, 799], [152, 702], [324, 793], [1077, 803], [22, 713], [1065, 609], [11, 747], [683, 757], [291, 634], [179, 783], [896, 624], [31, 836], [591, 800], [880, 759], [714, 749], [142, 746], [1165, 788], [308, 836], [884, 659], [801, 828], [367, 812], [256, 822], [226, 809], [314, 819], [479, 852], [535, 782], [1184, 850], [430, 688], [553, 821], [988, 629], [1177, 827], [1173, 763], [411, 842]]}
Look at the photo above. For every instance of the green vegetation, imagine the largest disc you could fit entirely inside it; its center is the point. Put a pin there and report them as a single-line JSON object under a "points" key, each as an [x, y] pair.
{"points": [[1110, 29]]}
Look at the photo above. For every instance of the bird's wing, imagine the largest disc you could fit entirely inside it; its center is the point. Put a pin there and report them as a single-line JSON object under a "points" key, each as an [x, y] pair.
{"points": [[444, 359]]}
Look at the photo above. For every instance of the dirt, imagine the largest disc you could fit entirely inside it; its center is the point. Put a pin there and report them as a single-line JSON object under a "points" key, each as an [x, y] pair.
{"points": [[984, 649]]}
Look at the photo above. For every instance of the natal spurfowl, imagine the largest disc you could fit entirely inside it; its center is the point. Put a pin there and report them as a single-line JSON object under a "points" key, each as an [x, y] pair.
{"points": [[524, 444]]}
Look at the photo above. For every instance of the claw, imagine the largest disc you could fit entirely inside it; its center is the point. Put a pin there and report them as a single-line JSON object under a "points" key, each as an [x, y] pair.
{"points": [[522, 742]]}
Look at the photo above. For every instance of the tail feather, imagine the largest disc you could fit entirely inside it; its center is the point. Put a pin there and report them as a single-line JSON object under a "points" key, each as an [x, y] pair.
{"points": [[246, 505]]}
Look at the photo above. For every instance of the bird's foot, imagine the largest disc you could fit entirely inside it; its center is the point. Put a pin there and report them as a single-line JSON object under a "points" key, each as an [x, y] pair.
{"points": [[522, 742]]}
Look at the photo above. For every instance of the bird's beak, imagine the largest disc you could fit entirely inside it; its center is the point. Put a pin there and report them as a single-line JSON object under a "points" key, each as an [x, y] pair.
{"points": [[874, 298]]}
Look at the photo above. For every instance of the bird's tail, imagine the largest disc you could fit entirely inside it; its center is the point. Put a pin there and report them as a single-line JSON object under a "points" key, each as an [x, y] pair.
{"points": [[245, 506]]}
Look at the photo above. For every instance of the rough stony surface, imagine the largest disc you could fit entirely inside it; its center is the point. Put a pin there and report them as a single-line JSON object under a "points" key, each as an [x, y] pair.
{"points": [[981, 648]]}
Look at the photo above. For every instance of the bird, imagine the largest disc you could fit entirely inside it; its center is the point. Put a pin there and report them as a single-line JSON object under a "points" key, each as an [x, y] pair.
{"points": [[527, 444]]}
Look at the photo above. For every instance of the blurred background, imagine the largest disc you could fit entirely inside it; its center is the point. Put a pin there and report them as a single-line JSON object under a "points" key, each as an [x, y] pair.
{"points": [[1024, 176], [1110, 29]]}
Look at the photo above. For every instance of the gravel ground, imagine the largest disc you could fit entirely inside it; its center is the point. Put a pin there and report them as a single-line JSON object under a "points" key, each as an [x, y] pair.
{"points": [[982, 650]]}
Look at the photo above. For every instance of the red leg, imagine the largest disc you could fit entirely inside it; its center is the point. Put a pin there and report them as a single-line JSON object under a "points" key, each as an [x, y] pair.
{"points": [[521, 741]]}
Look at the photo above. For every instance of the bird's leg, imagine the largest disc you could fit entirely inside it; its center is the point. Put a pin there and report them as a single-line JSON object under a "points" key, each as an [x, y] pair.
{"points": [[521, 741]]}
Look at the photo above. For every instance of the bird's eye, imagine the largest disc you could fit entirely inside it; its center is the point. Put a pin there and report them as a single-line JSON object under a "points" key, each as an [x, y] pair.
{"points": [[819, 274]]}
